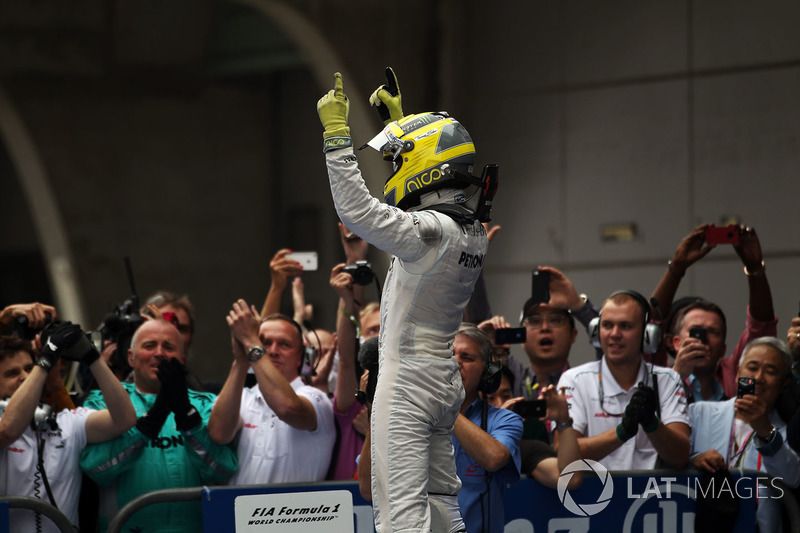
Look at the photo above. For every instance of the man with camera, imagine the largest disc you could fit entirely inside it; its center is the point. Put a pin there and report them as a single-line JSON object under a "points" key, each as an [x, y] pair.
{"points": [[285, 427], [169, 447], [486, 439], [347, 411], [40, 448], [697, 336], [628, 413], [746, 431]]}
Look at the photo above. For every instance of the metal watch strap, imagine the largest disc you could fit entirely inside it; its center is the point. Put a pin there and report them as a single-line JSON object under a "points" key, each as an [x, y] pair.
{"points": [[255, 353]]}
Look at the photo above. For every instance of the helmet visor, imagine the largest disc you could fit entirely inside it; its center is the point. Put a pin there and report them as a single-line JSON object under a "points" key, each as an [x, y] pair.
{"points": [[385, 141]]}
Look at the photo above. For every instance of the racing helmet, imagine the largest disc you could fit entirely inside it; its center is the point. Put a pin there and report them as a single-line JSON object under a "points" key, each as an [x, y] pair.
{"points": [[428, 151]]}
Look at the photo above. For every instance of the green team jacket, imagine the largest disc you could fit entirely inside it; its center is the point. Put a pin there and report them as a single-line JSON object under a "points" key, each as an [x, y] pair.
{"points": [[132, 465]]}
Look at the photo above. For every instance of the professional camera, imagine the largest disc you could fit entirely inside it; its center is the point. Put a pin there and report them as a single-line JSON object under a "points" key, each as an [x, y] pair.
{"points": [[361, 271], [118, 327], [23, 329], [122, 322]]}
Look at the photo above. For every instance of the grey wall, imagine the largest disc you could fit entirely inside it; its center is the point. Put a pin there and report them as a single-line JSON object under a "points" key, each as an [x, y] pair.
{"points": [[663, 114]]}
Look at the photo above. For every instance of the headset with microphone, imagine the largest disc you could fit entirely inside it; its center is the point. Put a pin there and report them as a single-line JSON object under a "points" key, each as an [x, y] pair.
{"points": [[651, 332]]}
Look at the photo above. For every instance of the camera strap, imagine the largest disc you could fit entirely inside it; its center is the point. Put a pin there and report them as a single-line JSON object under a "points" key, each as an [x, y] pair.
{"points": [[486, 500]]}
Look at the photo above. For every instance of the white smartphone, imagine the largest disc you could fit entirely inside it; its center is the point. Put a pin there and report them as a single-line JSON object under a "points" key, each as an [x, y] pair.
{"points": [[307, 259]]}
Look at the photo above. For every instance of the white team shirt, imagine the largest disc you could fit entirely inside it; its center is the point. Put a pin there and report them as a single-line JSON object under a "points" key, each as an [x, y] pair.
{"points": [[62, 450], [272, 451], [590, 419]]}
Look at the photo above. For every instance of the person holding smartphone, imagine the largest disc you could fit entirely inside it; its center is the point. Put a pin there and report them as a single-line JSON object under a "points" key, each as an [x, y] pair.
{"points": [[430, 223], [700, 359], [747, 432]]}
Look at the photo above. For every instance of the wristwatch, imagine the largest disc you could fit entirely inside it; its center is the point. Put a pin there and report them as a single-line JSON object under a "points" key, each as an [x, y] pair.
{"points": [[44, 363], [255, 353], [564, 424], [770, 436]]}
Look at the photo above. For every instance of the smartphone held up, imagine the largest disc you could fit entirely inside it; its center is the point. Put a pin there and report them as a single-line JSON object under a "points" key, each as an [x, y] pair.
{"points": [[308, 260], [540, 286], [723, 235]]}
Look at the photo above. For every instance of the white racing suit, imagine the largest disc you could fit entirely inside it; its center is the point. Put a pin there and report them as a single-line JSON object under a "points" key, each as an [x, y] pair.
{"points": [[434, 267]]}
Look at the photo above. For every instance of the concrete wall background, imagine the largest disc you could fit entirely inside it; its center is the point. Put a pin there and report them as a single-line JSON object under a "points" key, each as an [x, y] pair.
{"points": [[661, 114]]}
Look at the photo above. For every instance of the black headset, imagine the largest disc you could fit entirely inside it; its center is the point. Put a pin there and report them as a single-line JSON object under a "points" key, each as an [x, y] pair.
{"points": [[651, 332]]}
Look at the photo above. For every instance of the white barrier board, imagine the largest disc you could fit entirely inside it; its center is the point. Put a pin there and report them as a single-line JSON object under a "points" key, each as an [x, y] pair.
{"points": [[328, 511]]}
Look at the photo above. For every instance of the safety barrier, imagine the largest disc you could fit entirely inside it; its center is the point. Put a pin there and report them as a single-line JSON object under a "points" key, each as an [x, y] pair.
{"points": [[790, 505], [158, 496], [654, 500], [36, 505]]}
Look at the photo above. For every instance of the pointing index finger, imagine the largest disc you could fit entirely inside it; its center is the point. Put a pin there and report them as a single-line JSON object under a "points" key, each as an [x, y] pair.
{"points": [[338, 85]]}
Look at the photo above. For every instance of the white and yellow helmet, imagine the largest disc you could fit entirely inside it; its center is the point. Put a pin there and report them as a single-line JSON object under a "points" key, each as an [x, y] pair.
{"points": [[428, 151]]}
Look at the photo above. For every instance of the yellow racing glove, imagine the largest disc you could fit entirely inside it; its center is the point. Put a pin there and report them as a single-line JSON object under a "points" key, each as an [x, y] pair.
{"points": [[387, 99], [333, 110]]}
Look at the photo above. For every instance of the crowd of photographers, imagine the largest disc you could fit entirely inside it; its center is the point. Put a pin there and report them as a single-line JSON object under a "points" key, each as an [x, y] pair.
{"points": [[662, 390]]}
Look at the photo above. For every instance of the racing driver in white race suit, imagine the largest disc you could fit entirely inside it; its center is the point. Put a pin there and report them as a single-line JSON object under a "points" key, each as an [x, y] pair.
{"points": [[430, 224]]}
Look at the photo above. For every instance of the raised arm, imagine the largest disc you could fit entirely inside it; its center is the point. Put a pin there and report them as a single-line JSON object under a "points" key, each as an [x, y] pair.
{"points": [[760, 299], [691, 249], [225, 421], [119, 416], [295, 410], [564, 296], [409, 236], [761, 320], [342, 283], [355, 249], [281, 269], [548, 470], [36, 314]]}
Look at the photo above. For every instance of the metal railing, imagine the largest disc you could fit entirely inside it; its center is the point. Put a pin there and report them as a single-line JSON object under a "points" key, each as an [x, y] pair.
{"points": [[158, 496], [38, 506]]}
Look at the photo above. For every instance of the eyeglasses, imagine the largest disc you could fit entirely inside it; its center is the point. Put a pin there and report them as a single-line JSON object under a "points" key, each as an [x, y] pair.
{"points": [[537, 321]]}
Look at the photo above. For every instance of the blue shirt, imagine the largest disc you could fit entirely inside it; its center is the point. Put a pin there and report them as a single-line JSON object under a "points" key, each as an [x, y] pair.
{"points": [[505, 427], [717, 395]]}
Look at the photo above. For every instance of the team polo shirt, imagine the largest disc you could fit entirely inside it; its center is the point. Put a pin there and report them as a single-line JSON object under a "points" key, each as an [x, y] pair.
{"points": [[272, 451], [589, 419], [62, 450]]}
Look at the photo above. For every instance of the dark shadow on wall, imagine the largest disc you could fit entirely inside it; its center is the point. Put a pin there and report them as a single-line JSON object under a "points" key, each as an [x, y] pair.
{"points": [[23, 276]]}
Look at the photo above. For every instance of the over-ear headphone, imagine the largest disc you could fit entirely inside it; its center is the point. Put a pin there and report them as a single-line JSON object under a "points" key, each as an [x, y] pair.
{"points": [[306, 369], [43, 416], [651, 332], [491, 378]]}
